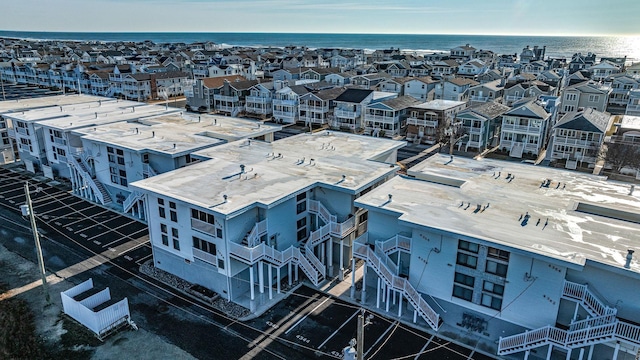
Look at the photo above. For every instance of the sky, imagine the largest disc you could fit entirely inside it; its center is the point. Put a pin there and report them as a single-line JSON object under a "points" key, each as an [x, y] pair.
{"points": [[495, 17]]}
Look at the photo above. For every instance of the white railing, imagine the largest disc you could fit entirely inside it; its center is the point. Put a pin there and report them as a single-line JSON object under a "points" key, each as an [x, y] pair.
{"points": [[568, 141], [582, 294], [316, 207], [521, 128], [258, 230], [285, 102], [313, 259], [395, 243], [382, 119], [422, 122], [59, 141], [474, 130], [363, 251], [513, 97], [285, 114], [128, 203], [204, 256], [479, 98], [278, 258], [148, 170], [22, 131], [336, 228], [258, 100], [86, 178], [320, 109], [349, 114], [601, 328]]}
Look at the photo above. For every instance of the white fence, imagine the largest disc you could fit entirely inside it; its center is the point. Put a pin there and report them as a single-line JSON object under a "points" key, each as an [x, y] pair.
{"points": [[84, 311]]}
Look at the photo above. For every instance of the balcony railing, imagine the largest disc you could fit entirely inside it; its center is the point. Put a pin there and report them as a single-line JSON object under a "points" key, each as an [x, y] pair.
{"points": [[474, 130], [313, 108], [479, 98], [521, 128], [204, 256], [349, 114], [285, 102], [382, 119], [422, 122], [257, 100], [224, 98], [285, 114], [362, 250], [22, 131], [574, 142], [203, 226]]}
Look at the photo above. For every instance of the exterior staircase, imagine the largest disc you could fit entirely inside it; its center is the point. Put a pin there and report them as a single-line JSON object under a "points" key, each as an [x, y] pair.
{"points": [[95, 188], [603, 327], [387, 247], [516, 150], [128, 203], [362, 251], [252, 250]]}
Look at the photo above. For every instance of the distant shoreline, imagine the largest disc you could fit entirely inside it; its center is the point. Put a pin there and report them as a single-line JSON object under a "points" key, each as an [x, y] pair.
{"points": [[557, 46]]}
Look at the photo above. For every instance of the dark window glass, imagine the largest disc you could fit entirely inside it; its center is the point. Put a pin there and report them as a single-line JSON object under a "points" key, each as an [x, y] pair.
{"points": [[300, 208], [302, 234], [467, 260], [165, 240], [174, 215], [161, 212], [462, 292]]}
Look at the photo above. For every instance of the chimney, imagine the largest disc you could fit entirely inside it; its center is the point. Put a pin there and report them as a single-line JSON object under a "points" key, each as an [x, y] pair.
{"points": [[627, 265], [153, 134], [390, 196], [631, 189]]}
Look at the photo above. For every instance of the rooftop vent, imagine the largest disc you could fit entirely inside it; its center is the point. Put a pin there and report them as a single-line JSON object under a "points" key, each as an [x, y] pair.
{"points": [[630, 252]]}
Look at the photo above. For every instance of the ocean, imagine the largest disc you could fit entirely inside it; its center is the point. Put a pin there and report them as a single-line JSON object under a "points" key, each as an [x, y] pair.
{"points": [[557, 46]]}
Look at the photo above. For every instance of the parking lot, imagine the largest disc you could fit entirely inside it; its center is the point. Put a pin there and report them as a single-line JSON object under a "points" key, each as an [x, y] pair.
{"points": [[95, 229], [314, 320]]}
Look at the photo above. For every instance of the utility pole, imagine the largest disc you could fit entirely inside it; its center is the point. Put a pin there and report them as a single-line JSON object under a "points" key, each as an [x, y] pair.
{"points": [[36, 238], [362, 322], [4, 98]]}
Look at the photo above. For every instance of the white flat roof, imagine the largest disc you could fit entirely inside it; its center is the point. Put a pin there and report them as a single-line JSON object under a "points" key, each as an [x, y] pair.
{"points": [[79, 121], [188, 132], [274, 171], [630, 122], [46, 101], [586, 217], [439, 104], [87, 110]]}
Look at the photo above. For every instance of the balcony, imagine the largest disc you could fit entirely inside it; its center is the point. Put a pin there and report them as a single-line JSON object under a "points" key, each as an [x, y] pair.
{"points": [[204, 256], [382, 119], [513, 98], [203, 226], [474, 130], [422, 122], [313, 108], [258, 100], [633, 109], [285, 114], [521, 128], [224, 98], [574, 142], [59, 141], [22, 131], [479, 98], [285, 102], [347, 114]]}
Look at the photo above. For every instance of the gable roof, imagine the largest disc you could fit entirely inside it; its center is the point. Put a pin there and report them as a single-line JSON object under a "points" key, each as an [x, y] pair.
{"points": [[529, 110], [399, 103], [218, 82], [589, 120]]}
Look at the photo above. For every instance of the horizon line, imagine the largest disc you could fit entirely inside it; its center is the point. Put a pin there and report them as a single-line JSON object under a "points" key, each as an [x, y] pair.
{"points": [[316, 33]]}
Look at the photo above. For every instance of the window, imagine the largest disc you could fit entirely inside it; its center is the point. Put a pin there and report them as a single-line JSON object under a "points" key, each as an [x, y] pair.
{"points": [[301, 223], [464, 279], [172, 205], [462, 293], [165, 240], [468, 246], [498, 254], [174, 232], [594, 98], [219, 233], [163, 228], [571, 97], [204, 245], [160, 201], [161, 213], [467, 260], [301, 207], [493, 288], [176, 244], [302, 233], [173, 215], [496, 268], [301, 197], [491, 302], [202, 216], [110, 150]]}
